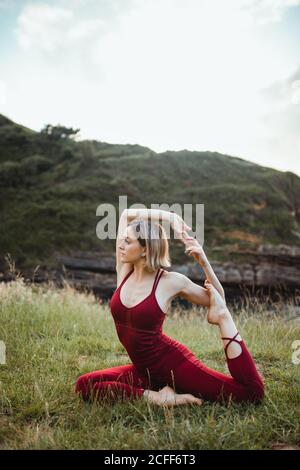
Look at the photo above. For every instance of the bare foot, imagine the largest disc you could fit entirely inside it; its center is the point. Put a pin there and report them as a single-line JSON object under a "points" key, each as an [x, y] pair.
{"points": [[218, 309], [168, 398], [218, 314]]}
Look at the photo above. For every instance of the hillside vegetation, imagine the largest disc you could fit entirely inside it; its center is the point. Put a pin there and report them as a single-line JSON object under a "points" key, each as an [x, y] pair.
{"points": [[51, 185]]}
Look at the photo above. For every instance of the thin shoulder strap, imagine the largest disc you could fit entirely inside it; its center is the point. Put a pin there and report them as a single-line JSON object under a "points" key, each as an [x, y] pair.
{"points": [[157, 278], [125, 278]]}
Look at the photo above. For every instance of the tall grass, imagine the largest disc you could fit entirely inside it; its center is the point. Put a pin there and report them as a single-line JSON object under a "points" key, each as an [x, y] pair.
{"points": [[52, 336]]}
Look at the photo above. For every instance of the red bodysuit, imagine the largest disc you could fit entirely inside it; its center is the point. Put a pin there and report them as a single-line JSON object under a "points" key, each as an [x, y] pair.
{"points": [[158, 360]]}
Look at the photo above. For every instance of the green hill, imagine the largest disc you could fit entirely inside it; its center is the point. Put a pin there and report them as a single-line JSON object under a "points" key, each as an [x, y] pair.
{"points": [[51, 185]]}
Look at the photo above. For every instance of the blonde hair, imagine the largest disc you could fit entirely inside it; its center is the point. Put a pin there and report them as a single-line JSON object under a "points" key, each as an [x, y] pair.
{"points": [[152, 235]]}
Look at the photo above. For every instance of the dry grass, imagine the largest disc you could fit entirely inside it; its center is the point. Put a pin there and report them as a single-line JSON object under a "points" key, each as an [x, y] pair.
{"points": [[52, 336]]}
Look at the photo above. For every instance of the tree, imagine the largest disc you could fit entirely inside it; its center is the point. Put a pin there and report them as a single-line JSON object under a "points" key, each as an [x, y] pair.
{"points": [[59, 132]]}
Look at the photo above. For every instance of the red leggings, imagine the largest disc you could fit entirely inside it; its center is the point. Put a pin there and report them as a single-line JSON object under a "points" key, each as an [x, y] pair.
{"points": [[192, 376]]}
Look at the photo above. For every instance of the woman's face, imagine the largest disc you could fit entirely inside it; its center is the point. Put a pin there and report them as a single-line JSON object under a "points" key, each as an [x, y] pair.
{"points": [[130, 247]]}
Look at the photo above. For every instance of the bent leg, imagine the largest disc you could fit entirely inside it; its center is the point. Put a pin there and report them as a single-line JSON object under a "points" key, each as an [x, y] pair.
{"points": [[246, 382], [122, 382], [240, 362], [243, 368], [192, 376]]}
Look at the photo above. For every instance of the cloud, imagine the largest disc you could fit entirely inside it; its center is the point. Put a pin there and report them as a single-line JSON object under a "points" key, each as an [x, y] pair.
{"points": [[295, 88], [263, 12], [50, 28], [3, 93], [6, 4], [278, 138]]}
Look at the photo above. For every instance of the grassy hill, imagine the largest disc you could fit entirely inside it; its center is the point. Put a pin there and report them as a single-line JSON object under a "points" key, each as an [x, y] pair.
{"points": [[51, 185]]}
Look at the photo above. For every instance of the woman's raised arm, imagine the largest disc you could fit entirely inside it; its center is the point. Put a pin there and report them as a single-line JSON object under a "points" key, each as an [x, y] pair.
{"points": [[194, 249], [159, 215]]}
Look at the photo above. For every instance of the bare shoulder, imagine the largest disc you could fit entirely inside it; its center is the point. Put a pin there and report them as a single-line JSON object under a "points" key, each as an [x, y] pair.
{"points": [[183, 286], [175, 282], [169, 287]]}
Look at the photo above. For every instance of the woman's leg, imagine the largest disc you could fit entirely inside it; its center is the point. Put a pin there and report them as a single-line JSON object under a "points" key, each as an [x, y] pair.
{"points": [[240, 362], [203, 382], [122, 382], [245, 383]]}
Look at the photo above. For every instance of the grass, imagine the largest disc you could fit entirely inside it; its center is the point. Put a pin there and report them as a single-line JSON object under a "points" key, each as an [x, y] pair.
{"points": [[52, 336]]}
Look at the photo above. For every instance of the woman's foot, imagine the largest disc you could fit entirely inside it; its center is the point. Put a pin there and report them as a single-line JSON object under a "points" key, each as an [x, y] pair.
{"points": [[167, 397], [217, 310], [218, 314]]}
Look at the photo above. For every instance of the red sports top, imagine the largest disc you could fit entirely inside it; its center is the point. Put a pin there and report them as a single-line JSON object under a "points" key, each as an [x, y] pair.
{"points": [[139, 329]]}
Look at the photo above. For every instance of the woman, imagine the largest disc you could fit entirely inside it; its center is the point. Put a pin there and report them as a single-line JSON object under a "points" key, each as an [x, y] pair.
{"points": [[164, 371]]}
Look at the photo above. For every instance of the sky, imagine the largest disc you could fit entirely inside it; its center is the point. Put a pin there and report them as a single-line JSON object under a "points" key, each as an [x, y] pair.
{"points": [[204, 75]]}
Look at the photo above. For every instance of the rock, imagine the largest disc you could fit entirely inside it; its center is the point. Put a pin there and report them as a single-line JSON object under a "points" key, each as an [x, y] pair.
{"points": [[89, 261], [272, 267]]}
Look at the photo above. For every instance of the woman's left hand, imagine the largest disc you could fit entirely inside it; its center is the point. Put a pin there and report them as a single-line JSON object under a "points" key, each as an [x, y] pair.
{"points": [[194, 249], [178, 225]]}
